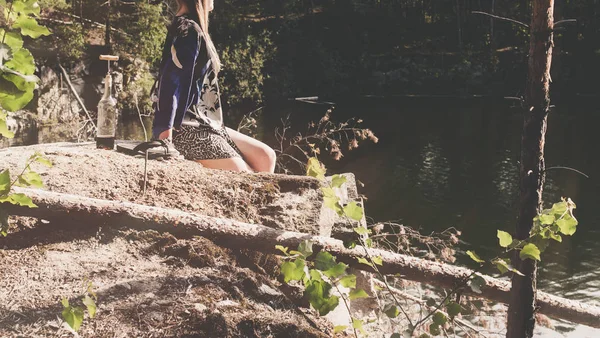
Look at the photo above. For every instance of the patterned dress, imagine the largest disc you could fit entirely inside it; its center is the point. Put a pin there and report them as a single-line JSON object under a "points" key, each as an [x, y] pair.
{"points": [[188, 97]]}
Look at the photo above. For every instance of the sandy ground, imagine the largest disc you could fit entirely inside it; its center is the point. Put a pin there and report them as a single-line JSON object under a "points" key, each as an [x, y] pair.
{"points": [[149, 284]]}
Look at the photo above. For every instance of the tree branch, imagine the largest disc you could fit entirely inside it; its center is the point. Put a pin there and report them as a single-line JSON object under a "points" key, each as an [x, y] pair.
{"points": [[501, 18], [84, 211]]}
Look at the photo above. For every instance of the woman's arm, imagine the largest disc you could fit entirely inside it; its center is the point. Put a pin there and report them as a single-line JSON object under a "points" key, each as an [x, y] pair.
{"points": [[176, 82]]}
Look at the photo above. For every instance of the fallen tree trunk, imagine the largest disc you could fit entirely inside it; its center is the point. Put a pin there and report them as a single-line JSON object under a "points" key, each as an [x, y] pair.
{"points": [[72, 209]]}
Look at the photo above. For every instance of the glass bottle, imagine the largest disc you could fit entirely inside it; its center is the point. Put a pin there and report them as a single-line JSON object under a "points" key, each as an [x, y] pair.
{"points": [[107, 117]]}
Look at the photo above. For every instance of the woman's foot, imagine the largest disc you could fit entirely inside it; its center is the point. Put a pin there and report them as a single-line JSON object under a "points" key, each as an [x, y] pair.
{"points": [[158, 148]]}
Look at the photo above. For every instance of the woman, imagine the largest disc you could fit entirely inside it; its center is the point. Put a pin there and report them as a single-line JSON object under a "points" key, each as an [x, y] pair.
{"points": [[188, 114]]}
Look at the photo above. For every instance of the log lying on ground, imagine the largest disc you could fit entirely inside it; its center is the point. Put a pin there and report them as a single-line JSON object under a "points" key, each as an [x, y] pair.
{"points": [[75, 210]]}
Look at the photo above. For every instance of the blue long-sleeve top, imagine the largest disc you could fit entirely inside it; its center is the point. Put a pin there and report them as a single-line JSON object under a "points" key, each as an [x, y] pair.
{"points": [[183, 67]]}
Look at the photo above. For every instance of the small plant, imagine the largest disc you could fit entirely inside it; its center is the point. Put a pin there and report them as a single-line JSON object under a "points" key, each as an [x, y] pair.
{"points": [[27, 178], [16, 62], [323, 273], [550, 225], [74, 315], [324, 136]]}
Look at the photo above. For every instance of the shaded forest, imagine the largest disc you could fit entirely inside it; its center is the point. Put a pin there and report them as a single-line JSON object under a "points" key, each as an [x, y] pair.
{"points": [[277, 49]]}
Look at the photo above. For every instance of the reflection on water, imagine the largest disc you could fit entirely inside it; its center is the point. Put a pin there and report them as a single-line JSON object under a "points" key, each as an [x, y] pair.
{"points": [[442, 164]]}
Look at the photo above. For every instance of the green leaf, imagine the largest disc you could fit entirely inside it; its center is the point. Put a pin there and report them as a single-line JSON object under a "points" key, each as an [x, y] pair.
{"points": [[530, 251], [4, 132], [357, 294], [339, 328], [434, 329], [5, 52], [354, 211], [504, 267], [23, 83], [555, 236], [44, 161], [476, 282], [4, 182], [315, 275], [377, 260], [318, 296], [305, 248], [21, 199], [337, 181], [559, 209], [333, 203], [540, 242], [358, 324], [11, 98], [453, 309], [567, 225], [4, 224], [26, 7], [65, 302], [328, 192], [22, 61], [362, 231], [546, 219], [73, 316], [324, 261], [331, 200], [31, 178], [364, 261], [12, 39], [314, 168], [392, 311], [336, 270], [348, 281], [439, 318], [293, 270], [30, 27], [90, 305], [474, 256], [282, 249], [505, 238]]}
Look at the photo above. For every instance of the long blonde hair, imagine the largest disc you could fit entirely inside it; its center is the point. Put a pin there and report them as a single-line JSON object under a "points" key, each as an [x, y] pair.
{"points": [[201, 7]]}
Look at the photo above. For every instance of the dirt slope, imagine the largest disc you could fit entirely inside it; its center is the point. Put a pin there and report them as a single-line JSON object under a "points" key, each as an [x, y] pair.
{"points": [[149, 284]]}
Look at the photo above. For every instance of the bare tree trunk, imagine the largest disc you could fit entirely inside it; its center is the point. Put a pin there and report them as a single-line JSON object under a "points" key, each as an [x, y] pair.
{"points": [[521, 311], [76, 210], [492, 40], [458, 21]]}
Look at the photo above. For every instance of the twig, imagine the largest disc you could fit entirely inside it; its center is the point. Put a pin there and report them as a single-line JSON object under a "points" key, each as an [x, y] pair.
{"points": [[145, 173], [76, 95], [67, 23], [438, 306], [568, 168], [557, 23], [501, 18], [347, 307], [137, 107], [94, 23], [421, 301]]}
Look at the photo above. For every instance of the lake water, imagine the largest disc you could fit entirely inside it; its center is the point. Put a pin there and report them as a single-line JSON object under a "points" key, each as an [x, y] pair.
{"points": [[454, 163]]}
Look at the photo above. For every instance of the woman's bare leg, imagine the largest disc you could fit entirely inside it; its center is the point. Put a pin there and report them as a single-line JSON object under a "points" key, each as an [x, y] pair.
{"points": [[233, 164], [258, 155]]}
